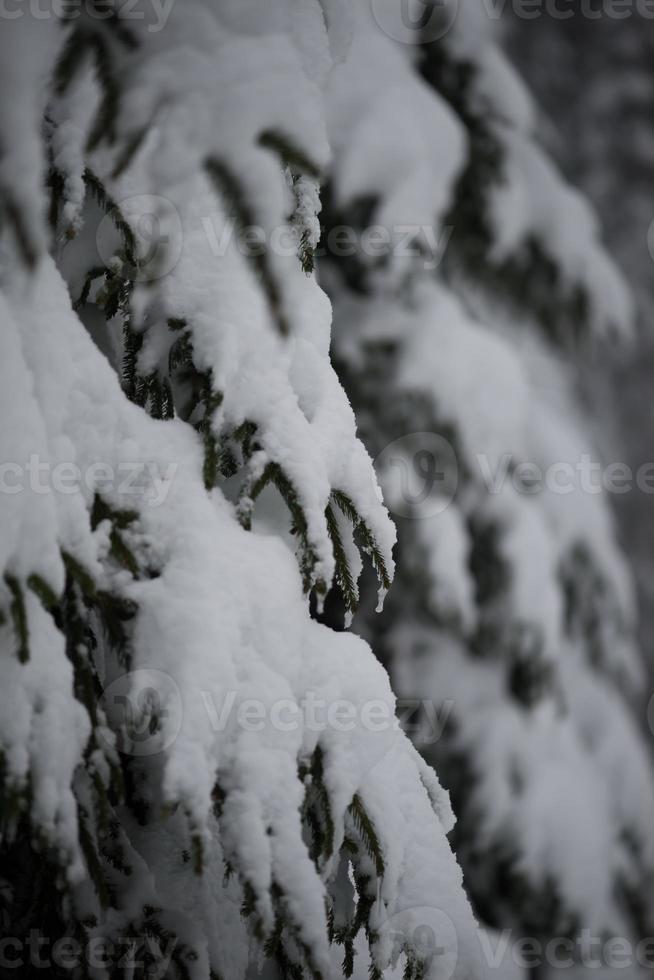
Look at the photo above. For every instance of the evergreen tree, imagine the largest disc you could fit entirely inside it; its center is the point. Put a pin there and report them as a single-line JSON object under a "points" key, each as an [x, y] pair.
{"points": [[513, 609], [196, 481], [599, 111]]}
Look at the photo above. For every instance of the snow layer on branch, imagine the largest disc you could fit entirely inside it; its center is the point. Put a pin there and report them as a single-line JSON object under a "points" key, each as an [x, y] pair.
{"points": [[226, 74], [27, 519], [391, 136], [534, 201], [219, 108], [43, 734], [507, 398], [582, 511], [544, 798], [28, 47], [527, 546], [224, 620], [475, 379], [286, 387], [447, 546], [522, 761], [43, 729], [72, 115], [541, 776], [549, 754], [531, 201]]}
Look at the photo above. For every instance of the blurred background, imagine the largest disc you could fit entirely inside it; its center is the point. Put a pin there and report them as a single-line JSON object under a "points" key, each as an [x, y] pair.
{"points": [[593, 81]]}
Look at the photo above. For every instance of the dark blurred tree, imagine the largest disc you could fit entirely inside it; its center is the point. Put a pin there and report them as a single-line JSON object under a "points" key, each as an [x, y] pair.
{"points": [[594, 80]]}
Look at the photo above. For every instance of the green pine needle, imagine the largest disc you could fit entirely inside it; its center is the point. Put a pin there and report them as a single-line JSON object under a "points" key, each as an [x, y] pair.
{"points": [[289, 152], [368, 541], [47, 596], [368, 833], [344, 576], [229, 187], [19, 617]]}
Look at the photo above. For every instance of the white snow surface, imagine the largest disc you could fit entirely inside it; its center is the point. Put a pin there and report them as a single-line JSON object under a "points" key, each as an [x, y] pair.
{"points": [[225, 619]]}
